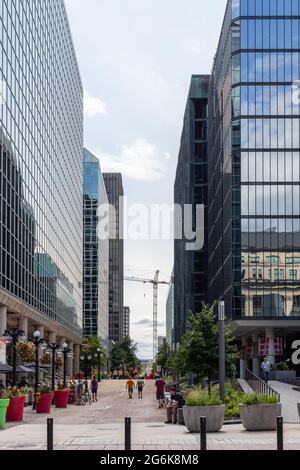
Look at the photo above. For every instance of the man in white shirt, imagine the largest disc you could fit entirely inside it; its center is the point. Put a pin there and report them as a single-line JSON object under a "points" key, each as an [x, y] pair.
{"points": [[266, 368]]}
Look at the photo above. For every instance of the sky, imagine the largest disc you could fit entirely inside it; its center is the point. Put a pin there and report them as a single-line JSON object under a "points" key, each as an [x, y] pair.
{"points": [[136, 58]]}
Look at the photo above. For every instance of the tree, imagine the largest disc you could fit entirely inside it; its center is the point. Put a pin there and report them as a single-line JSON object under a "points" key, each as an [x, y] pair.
{"points": [[198, 351], [90, 346], [123, 355], [164, 357]]}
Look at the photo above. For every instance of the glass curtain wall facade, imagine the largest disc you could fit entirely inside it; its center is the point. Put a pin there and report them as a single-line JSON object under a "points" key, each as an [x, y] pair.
{"points": [[126, 322], [95, 252], [41, 141], [190, 267], [115, 193], [254, 165], [170, 315]]}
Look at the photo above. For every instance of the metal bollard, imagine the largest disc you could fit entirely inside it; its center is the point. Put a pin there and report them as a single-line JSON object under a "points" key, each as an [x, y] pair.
{"points": [[127, 433], [49, 433], [203, 438], [279, 433]]}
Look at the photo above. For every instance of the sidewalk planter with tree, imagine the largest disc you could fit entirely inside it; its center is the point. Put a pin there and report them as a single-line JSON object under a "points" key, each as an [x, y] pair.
{"points": [[200, 403], [61, 398], [260, 412], [15, 410], [44, 399], [4, 402]]}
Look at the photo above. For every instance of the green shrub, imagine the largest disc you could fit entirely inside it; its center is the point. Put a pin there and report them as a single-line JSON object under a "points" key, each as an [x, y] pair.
{"points": [[280, 366], [255, 399], [199, 397], [232, 400]]}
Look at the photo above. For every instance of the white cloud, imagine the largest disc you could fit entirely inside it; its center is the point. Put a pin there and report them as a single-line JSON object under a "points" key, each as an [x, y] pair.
{"points": [[93, 106], [139, 160]]}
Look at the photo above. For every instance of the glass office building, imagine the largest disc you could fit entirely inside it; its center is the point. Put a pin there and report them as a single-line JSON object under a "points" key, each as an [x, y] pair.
{"points": [[95, 252], [170, 315], [115, 193], [41, 141], [126, 322], [190, 188], [254, 175]]}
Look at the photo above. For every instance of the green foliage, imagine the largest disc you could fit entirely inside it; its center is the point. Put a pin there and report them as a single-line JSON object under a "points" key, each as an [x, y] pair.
{"points": [[164, 357], [232, 400], [200, 397], [90, 346], [123, 355], [280, 366], [255, 399], [198, 351]]}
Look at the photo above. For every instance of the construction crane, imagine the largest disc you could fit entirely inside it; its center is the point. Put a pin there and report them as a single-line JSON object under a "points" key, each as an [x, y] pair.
{"points": [[155, 283]]}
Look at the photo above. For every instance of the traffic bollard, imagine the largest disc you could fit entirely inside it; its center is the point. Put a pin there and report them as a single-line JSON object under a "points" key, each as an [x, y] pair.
{"points": [[203, 438], [279, 433], [49, 433], [127, 433]]}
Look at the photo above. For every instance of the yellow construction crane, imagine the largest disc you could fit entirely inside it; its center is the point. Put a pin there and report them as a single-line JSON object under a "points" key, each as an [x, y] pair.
{"points": [[155, 283]]}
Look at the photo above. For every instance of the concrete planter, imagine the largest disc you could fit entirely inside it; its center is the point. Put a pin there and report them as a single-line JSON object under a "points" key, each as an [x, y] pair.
{"points": [[298, 405], [283, 375], [260, 417], [214, 417]]}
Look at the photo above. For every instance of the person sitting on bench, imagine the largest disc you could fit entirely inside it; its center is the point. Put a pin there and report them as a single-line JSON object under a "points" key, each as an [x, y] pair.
{"points": [[176, 401]]}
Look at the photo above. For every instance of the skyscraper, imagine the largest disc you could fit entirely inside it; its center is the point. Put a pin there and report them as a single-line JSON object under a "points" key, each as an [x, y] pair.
{"points": [[41, 140], [95, 252], [114, 189], [170, 315], [190, 267], [126, 322], [254, 176]]}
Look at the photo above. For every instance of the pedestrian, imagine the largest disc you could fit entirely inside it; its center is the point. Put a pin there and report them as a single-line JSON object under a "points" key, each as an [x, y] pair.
{"points": [[94, 388], [266, 368], [79, 392], [160, 391], [2, 386], [140, 386], [176, 402], [130, 386]]}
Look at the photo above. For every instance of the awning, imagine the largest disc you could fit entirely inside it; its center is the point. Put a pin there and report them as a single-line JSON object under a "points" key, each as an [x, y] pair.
{"points": [[5, 368], [25, 369]]}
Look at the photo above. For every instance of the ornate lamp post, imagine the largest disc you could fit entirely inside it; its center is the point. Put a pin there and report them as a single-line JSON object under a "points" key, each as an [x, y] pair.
{"points": [[53, 347], [67, 353], [12, 337], [98, 356], [86, 357], [38, 342]]}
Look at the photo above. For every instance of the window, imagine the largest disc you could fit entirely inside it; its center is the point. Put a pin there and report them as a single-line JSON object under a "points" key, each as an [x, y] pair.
{"points": [[293, 274]]}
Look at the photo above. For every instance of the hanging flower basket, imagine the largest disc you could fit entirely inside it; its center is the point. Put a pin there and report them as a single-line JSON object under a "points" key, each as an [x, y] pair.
{"points": [[59, 361], [26, 351], [46, 358]]}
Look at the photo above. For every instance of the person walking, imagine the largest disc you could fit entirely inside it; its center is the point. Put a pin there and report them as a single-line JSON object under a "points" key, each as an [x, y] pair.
{"points": [[130, 386], [160, 391], [140, 386], [266, 369], [94, 389]]}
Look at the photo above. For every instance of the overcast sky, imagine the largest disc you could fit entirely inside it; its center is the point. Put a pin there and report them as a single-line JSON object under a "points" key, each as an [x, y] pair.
{"points": [[136, 58]]}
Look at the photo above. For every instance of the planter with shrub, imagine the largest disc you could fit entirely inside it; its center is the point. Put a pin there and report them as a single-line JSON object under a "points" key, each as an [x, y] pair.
{"points": [[281, 371], [61, 397], [4, 402], [200, 403], [260, 412], [15, 410], [44, 399]]}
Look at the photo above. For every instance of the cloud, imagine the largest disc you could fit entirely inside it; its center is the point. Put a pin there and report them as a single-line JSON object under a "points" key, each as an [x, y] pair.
{"points": [[139, 160], [93, 106], [146, 322]]}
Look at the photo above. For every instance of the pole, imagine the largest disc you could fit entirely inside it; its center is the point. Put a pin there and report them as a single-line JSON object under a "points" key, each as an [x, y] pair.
{"points": [[53, 367], [65, 369], [279, 433], [221, 318], [99, 377], [36, 373], [14, 359], [49, 433], [203, 438], [127, 433]]}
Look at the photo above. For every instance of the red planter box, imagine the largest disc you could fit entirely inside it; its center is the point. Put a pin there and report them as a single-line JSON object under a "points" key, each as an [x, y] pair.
{"points": [[15, 409], [43, 403], [61, 398]]}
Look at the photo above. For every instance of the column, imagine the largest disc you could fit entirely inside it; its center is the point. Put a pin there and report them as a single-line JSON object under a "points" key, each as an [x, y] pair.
{"points": [[242, 359], [24, 325], [70, 361], [255, 360], [76, 363], [271, 345], [3, 321], [52, 338], [62, 340]]}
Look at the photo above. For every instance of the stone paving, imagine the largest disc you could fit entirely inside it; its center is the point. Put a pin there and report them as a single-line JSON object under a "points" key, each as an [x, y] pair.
{"points": [[101, 427], [289, 399]]}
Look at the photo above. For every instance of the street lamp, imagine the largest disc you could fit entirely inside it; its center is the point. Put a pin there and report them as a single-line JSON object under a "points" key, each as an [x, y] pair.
{"points": [[12, 337], [221, 319], [67, 353], [53, 347], [38, 342], [98, 356], [86, 357]]}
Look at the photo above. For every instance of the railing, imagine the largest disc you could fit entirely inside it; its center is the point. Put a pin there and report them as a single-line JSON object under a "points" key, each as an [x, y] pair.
{"points": [[258, 385]]}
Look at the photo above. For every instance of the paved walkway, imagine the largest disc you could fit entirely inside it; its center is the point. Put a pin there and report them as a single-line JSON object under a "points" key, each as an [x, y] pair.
{"points": [[101, 427], [289, 399]]}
